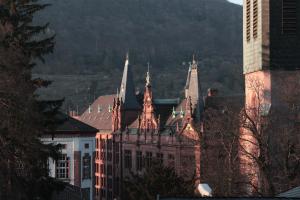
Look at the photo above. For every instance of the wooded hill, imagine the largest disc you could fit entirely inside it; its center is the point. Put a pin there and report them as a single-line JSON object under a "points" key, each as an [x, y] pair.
{"points": [[92, 37]]}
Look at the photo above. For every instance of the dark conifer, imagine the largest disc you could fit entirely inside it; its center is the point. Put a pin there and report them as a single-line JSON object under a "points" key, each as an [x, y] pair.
{"points": [[23, 118]]}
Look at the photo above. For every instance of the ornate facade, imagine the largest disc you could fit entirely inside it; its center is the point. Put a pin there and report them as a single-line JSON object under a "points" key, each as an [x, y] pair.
{"points": [[134, 131]]}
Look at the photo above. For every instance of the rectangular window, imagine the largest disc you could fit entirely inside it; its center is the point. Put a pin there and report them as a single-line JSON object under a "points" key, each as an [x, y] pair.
{"points": [[116, 185], [139, 160], [103, 193], [109, 144], [109, 183], [289, 16], [160, 158], [248, 19], [128, 159], [148, 159], [86, 145], [62, 167], [171, 160], [109, 170], [103, 180], [97, 181], [109, 195], [97, 155], [255, 18], [102, 144], [116, 146], [102, 155], [86, 166], [97, 167], [109, 156], [116, 158], [97, 143], [102, 169]]}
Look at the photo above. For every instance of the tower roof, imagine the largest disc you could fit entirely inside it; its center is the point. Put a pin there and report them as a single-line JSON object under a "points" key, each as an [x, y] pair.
{"points": [[192, 88], [127, 92]]}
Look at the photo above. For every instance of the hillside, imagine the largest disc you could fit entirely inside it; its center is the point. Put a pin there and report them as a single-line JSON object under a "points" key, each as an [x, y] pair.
{"points": [[93, 36]]}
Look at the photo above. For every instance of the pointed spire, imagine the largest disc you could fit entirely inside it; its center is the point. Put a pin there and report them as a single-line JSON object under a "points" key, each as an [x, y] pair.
{"points": [[148, 76], [127, 91], [117, 93], [192, 89], [194, 61]]}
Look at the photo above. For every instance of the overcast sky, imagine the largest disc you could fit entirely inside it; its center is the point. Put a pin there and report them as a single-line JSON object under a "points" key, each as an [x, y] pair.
{"points": [[237, 1]]}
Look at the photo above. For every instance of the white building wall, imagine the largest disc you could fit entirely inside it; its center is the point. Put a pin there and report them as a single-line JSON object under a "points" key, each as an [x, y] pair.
{"points": [[74, 144]]}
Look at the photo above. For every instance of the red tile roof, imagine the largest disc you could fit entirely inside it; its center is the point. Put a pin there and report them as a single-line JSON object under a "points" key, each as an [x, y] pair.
{"points": [[99, 113]]}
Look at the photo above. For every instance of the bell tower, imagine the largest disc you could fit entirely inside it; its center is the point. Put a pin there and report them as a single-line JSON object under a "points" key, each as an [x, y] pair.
{"points": [[271, 65]]}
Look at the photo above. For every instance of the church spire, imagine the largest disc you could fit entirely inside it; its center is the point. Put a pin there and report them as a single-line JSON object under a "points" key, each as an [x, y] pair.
{"points": [[148, 76], [127, 91], [149, 121], [192, 89]]}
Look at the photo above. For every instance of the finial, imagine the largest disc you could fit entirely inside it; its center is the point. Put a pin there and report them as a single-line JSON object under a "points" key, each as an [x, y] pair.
{"points": [[127, 55], [194, 61], [148, 75], [173, 112], [181, 112], [127, 59]]}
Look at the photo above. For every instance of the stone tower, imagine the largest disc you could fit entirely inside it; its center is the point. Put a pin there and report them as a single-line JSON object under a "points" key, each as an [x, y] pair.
{"points": [[271, 43]]}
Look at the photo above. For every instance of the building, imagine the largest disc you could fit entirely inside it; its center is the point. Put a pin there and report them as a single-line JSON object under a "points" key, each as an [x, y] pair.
{"points": [[75, 165], [135, 129], [271, 41]]}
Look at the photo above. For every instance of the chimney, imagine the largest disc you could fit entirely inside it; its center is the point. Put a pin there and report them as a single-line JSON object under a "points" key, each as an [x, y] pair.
{"points": [[211, 92]]}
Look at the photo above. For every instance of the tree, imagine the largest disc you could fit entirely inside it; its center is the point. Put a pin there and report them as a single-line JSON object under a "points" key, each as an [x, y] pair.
{"points": [[157, 180], [23, 157], [269, 142], [254, 150], [220, 145]]}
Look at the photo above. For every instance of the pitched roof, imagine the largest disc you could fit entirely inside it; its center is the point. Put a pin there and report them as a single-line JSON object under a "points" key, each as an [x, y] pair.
{"points": [[72, 125], [293, 193], [127, 91], [99, 114]]}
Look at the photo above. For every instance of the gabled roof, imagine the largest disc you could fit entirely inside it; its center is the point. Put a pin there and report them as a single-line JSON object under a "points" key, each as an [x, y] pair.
{"points": [[99, 114], [292, 193], [72, 125], [127, 90]]}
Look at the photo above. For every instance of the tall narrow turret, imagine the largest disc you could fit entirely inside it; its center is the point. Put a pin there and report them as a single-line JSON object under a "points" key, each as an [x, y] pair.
{"points": [[149, 121]]}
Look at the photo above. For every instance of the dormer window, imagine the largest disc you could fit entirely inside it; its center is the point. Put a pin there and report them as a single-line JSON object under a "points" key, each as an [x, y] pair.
{"points": [[173, 113], [181, 113], [99, 109]]}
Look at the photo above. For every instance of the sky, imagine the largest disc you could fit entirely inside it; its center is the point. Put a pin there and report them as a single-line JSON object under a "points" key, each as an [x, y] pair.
{"points": [[237, 1]]}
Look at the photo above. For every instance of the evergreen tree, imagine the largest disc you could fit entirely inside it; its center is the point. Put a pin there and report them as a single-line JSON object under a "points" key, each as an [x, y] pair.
{"points": [[23, 118]]}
